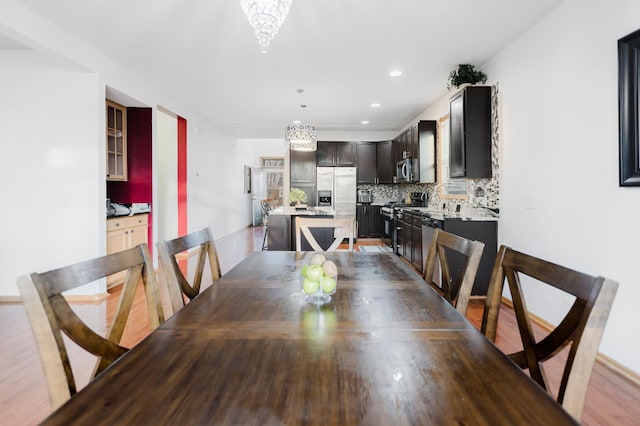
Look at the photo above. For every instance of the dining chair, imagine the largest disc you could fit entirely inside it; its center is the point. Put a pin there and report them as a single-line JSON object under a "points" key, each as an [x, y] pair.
{"points": [[456, 288], [51, 315], [581, 329], [177, 284], [343, 228]]}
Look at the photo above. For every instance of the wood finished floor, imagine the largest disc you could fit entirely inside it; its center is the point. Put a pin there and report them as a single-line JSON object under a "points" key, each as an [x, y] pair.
{"points": [[611, 400]]}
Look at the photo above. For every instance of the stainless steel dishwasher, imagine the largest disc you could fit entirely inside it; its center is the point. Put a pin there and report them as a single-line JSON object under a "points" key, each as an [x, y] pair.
{"points": [[429, 226]]}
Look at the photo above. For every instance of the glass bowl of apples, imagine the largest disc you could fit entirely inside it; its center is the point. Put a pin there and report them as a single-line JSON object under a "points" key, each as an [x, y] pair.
{"points": [[318, 280]]}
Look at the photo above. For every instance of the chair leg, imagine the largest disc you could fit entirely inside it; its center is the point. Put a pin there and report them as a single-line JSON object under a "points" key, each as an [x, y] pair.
{"points": [[264, 238]]}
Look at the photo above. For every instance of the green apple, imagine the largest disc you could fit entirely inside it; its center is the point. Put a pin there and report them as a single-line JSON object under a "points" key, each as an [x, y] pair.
{"points": [[328, 284], [314, 272], [304, 270], [310, 286]]}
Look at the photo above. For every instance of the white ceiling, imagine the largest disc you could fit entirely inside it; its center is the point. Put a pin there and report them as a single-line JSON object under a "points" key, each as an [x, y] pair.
{"points": [[340, 52]]}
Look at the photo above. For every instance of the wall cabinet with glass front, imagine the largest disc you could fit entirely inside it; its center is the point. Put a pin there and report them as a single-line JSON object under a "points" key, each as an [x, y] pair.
{"points": [[116, 124]]}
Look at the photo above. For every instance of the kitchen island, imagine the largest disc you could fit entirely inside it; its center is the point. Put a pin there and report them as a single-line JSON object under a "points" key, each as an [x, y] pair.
{"points": [[281, 228]]}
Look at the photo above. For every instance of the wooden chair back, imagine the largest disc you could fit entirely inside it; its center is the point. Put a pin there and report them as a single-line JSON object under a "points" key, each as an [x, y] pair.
{"points": [[456, 291], [581, 329], [50, 314], [343, 228], [177, 284]]}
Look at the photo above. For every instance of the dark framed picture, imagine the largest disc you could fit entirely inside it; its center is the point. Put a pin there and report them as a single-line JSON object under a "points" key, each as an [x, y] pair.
{"points": [[628, 91], [247, 180]]}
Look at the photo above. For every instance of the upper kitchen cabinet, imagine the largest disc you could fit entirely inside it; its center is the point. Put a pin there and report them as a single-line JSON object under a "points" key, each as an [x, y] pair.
{"points": [[303, 166], [116, 141], [470, 133], [375, 162], [385, 165], [418, 142], [425, 149], [303, 173], [336, 154]]}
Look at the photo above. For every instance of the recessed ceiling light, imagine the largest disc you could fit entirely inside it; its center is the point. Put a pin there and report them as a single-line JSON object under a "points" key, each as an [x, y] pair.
{"points": [[364, 122], [375, 105], [395, 73]]}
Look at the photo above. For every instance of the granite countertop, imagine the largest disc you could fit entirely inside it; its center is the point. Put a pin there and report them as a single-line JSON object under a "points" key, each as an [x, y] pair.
{"points": [[309, 211], [470, 214], [373, 203]]}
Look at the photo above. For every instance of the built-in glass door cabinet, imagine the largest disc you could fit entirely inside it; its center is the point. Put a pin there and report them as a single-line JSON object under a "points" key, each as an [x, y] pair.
{"points": [[116, 141], [470, 133], [303, 173]]}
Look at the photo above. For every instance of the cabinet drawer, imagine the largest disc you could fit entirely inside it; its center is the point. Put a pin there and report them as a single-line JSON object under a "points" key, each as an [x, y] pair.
{"points": [[416, 220], [139, 220], [117, 223], [125, 222]]}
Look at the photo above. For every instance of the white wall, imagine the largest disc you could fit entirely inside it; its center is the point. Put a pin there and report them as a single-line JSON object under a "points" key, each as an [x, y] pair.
{"points": [[213, 155], [559, 120], [53, 187], [166, 171]]}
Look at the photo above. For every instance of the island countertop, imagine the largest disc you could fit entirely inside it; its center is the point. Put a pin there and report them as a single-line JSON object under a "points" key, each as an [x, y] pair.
{"points": [[281, 227], [309, 211]]}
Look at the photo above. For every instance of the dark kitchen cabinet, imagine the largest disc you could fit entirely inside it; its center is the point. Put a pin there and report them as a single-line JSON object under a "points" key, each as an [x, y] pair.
{"points": [[409, 238], [336, 154], [369, 221], [426, 150], [366, 168], [303, 173], [470, 133], [483, 231], [375, 162], [419, 143], [385, 165], [403, 236], [303, 166], [416, 241], [414, 141]]}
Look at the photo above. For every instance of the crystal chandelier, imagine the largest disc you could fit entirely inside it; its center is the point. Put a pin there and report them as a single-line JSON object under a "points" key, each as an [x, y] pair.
{"points": [[265, 16], [301, 137]]}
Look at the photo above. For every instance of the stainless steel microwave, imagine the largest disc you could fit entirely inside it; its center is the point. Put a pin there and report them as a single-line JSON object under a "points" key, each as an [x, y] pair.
{"points": [[405, 170]]}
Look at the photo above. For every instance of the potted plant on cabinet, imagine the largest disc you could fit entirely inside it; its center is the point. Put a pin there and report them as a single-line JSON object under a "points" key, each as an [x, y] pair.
{"points": [[297, 198], [465, 74]]}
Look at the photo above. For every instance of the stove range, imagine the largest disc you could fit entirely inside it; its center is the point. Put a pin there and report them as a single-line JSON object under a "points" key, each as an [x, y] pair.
{"points": [[389, 212]]}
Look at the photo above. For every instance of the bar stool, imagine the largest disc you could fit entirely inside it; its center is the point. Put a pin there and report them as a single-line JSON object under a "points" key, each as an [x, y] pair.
{"points": [[266, 208]]}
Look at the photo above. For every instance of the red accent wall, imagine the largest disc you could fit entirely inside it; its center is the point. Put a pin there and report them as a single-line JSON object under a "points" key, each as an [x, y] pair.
{"points": [[138, 187], [182, 176]]}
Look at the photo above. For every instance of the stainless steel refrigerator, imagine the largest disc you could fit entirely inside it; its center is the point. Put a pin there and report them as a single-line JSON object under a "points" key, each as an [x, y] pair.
{"points": [[341, 181]]}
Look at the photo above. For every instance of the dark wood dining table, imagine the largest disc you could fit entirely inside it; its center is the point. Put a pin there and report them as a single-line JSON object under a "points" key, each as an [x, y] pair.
{"points": [[249, 350]]}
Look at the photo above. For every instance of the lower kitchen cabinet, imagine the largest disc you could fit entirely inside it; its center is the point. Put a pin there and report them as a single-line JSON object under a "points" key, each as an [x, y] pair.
{"points": [[369, 221], [483, 231], [123, 233], [409, 238]]}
